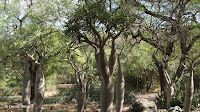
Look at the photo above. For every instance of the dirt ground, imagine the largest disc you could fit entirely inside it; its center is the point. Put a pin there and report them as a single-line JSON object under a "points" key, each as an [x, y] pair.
{"points": [[71, 107]]}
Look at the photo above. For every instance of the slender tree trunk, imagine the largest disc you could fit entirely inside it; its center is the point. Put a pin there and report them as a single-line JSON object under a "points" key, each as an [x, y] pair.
{"points": [[162, 80], [170, 88], [26, 92], [39, 89], [170, 92], [81, 94], [189, 93], [32, 70], [120, 88], [107, 95], [161, 73]]}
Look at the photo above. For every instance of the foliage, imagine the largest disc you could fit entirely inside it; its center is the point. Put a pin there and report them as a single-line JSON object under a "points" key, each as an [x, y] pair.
{"points": [[134, 81], [161, 100], [64, 95], [177, 99], [95, 96]]}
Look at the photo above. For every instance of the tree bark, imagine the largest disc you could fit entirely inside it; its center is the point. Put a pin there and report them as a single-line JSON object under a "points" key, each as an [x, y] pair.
{"points": [[161, 73], [107, 95], [39, 88], [162, 79], [170, 88], [26, 92], [106, 71], [107, 89], [81, 93], [170, 92], [189, 93], [120, 88], [32, 69]]}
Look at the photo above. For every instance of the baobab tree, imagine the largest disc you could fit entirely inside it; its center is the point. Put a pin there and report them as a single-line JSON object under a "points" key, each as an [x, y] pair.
{"points": [[99, 24]]}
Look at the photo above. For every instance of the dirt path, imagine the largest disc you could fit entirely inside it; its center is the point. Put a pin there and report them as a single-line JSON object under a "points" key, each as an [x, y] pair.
{"points": [[149, 95]]}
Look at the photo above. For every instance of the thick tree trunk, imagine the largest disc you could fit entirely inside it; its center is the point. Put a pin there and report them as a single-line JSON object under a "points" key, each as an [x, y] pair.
{"points": [[26, 92], [189, 93], [107, 95], [120, 88], [39, 88], [81, 94], [107, 89], [106, 70]]}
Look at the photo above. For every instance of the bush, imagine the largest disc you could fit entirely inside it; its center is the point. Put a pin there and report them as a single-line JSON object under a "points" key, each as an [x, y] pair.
{"points": [[196, 100], [177, 99], [64, 95], [95, 96], [161, 100], [133, 82]]}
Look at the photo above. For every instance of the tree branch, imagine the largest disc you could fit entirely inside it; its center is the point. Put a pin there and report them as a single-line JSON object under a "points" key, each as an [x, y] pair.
{"points": [[154, 14], [192, 43], [112, 58], [151, 41]]}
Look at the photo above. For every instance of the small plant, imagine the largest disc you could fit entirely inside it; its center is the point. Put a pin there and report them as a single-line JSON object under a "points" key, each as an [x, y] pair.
{"points": [[196, 100], [178, 98], [161, 100]]}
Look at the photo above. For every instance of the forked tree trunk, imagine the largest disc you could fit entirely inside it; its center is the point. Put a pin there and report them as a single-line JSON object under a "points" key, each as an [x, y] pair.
{"points": [[106, 70], [81, 94], [120, 88], [26, 92], [189, 93], [107, 95], [39, 88]]}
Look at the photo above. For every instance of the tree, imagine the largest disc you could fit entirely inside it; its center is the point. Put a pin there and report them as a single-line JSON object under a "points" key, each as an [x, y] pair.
{"points": [[80, 63], [173, 28], [104, 23], [31, 34]]}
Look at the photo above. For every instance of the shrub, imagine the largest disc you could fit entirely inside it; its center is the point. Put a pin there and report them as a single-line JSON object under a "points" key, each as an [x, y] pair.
{"points": [[64, 95], [177, 99], [133, 82], [161, 100]]}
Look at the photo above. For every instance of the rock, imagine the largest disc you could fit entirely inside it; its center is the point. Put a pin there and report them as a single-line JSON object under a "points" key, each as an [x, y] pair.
{"points": [[162, 110], [74, 101], [175, 109], [143, 105]]}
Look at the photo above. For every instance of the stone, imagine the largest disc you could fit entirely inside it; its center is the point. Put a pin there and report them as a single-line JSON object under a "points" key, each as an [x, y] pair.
{"points": [[143, 105], [175, 109]]}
